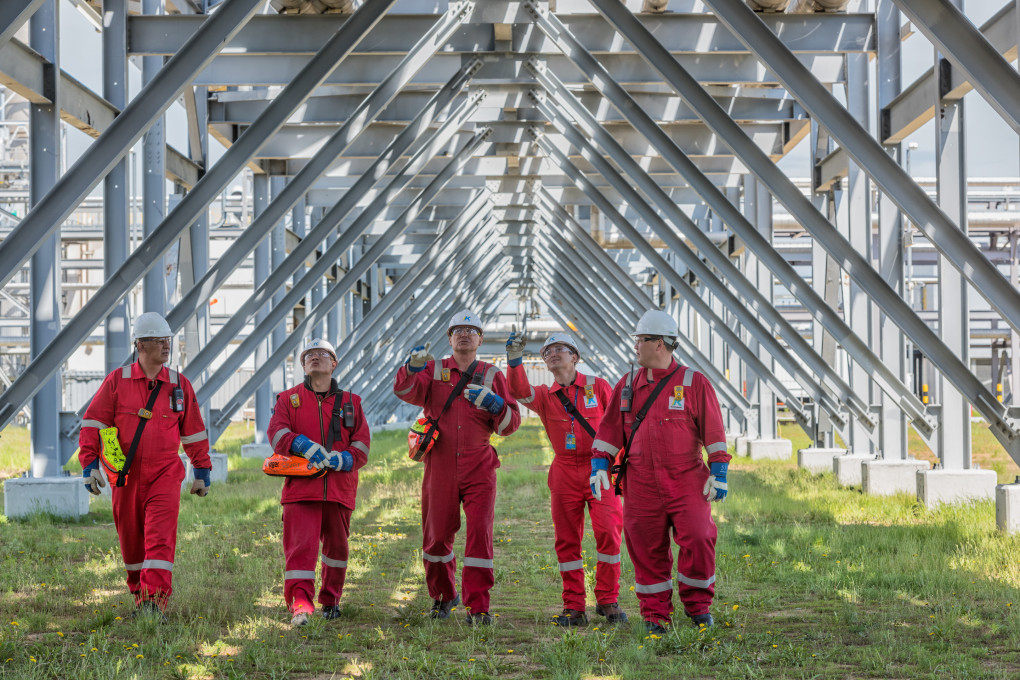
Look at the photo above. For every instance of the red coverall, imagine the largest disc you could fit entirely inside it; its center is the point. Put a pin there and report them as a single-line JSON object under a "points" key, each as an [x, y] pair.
{"points": [[317, 510], [145, 509], [663, 487], [568, 483], [460, 468]]}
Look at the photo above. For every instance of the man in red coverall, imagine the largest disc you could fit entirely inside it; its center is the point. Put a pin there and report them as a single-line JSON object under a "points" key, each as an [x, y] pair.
{"points": [[461, 467], [318, 421], [145, 507], [569, 473], [666, 484]]}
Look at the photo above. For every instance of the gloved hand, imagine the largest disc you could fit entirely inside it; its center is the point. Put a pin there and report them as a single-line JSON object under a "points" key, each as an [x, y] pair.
{"points": [[305, 447], [515, 348], [483, 397], [418, 358], [715, 487], [318, 459], [202, 481], [93, 477], [599, 479], [343, 461]]}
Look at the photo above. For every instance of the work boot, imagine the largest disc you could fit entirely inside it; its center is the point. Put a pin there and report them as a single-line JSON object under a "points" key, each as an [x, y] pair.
{"points": [[479, 619], [654, 628], [149, 608], [570, 617], [702, 620], [441, 608], [612, 612], [300, 619], [330, 612]]}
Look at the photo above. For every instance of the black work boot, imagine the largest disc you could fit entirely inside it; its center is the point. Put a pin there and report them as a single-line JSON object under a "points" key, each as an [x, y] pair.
{"points": [[570, 617], [479, 619], [654, 628], [149, 608], [441, 608], [702, 620], [612, 612], [330, 612]]}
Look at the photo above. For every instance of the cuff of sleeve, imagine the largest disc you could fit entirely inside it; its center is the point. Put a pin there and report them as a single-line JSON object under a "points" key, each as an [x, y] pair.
{"points": [[411, 369], [515, 362]]}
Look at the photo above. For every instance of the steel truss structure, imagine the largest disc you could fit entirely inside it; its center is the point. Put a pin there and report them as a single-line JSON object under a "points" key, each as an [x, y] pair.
{"points": [[579, 160]]}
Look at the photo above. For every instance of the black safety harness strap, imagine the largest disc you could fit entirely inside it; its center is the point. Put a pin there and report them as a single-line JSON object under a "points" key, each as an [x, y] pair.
{"points": [[639, 417], [122, 475], [574, 413], [434, 422]]}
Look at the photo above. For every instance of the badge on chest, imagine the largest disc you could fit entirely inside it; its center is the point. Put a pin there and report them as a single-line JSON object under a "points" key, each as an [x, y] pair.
{"points": [[589, 397], [446, 375], [677, 401]]}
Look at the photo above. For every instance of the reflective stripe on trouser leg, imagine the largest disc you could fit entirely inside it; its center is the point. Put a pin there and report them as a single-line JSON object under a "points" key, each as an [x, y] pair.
{"points": [[567, 503], [695, 533], [607, 525], [648, 545], [477, 575], [301, 522], [336, 527]]}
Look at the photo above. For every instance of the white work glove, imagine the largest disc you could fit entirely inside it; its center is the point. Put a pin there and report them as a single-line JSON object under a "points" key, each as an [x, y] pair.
{"points": [[484, 398], [715, 487], [599, 479], [515, 348], [93, 477], [418, 358]]}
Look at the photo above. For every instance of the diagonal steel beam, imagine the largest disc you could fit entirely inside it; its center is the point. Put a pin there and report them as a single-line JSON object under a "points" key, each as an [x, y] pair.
{"points": [[957, 38], [721, 205], [608, 371], [13, 14], [126, 129], [81, 178], [824, 233]]}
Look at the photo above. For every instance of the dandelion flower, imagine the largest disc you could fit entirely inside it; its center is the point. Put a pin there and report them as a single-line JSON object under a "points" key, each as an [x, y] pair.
{"points": [[139, 656]]}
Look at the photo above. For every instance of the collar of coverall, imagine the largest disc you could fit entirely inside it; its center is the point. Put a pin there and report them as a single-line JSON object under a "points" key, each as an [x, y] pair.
{"points": [[333, 387], [650, 375], [138, 374], [580, 380]]}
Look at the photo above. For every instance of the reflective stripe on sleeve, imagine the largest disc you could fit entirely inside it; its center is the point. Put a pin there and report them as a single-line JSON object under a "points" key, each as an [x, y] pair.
{"points": [[125, 372], [298, 573], [693, 582], [197, 437], [654, 588], [401, 393], [360, 447], [608, 559], [330, 562], [529, 399], [133, 567], [158, 564], [437, 371], [505, 423], [602, 445], [436, 558], [571, 566], [716, 448], [93, 423], [279, 435], [689, 376], [174, 379], [477, 562]]}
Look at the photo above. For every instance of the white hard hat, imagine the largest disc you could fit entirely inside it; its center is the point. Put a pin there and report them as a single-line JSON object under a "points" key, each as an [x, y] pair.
{"points": [[465, 317], [150, 325], [560, 339], [318, 343], [654, 322]]}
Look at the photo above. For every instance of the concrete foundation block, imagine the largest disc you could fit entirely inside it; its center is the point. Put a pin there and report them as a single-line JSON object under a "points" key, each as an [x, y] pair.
{"points": [[1007, 507], [817, 460], [740, 444], [770, 449], [61, 496], [731, 439], [935, 487], [888, 477], [847, 467], [256, 451], [217, 476]]}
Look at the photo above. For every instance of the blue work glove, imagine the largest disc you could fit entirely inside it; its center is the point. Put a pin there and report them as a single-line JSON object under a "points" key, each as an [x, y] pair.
{"points": [[306, 448], [343, 461], [515, 348], [93, 477], [483, 397], [599, 479], [202, 481], [418, 358], [715, 487]]}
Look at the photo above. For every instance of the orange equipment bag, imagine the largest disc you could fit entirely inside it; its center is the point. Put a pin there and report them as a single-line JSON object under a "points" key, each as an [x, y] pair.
{"points": [[423, 435], [289, 465]]}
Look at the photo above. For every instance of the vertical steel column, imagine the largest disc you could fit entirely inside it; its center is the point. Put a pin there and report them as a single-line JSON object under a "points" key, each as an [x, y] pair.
{"points": [[858, 199], [154, 293], [277, 254], [334, 315], [264, 392], [115, 198], [953, 444], [196, 329], [298, 224], [1014, 341], [892, 425], [754, 386], [767, 398], [44, 273]]}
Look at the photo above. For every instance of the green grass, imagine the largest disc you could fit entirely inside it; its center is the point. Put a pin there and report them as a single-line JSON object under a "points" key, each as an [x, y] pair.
{"points": [[813, 581]]}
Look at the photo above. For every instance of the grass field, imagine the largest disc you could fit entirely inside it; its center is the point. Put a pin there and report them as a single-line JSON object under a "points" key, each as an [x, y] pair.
{"points": [[813, 581]]}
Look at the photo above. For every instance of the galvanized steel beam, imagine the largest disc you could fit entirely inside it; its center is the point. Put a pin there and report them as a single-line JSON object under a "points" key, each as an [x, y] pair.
{"points": [[13, 14]]}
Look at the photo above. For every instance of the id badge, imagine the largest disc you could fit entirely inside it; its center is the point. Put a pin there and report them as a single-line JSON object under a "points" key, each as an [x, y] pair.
{"points": [[677, 402], [589, 397], [571, 442], [446, 375]]}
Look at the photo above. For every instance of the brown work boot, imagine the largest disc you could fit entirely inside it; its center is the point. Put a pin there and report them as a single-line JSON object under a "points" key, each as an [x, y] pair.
{"points": [[612, 612], [570, 617]]}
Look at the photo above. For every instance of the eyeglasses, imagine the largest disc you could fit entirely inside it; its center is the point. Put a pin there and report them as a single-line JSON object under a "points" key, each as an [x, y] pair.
{"points": [[650, 338], [318, 354], [156, 341], [555, 349], [464, 331]]}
